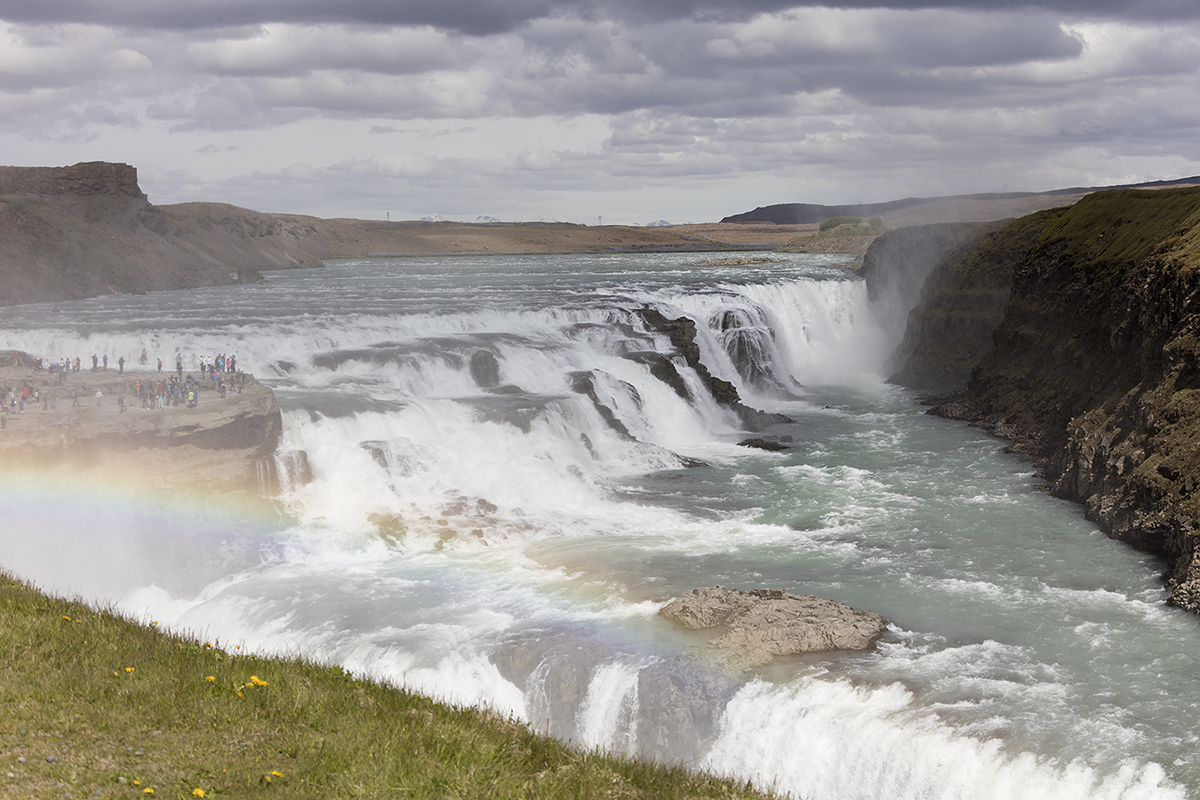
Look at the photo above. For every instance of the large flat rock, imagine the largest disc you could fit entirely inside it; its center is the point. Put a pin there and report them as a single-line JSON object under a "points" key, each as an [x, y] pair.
{"points": [[761, 624]]}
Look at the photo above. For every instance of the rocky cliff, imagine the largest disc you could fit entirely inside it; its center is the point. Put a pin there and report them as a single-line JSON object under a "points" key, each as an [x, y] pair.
{"points": [[85, 230], [897, 266], [1095, 366], [76, 428], [962, 300]]}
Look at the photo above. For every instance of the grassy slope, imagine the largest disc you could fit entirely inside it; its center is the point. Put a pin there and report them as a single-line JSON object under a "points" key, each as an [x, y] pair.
{"points": [[1108, 232], [98, 705]]}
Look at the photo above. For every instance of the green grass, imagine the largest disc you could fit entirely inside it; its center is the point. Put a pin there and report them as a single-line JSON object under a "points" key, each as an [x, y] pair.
{"points": [[852, 226], [98, 705], [1106, 232]]}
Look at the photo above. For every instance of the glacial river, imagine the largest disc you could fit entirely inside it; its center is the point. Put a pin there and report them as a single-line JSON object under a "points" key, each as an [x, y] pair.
{"points": [[479, 529]]}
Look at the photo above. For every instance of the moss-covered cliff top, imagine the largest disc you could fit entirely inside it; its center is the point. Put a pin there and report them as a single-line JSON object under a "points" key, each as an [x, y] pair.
{"points": [[1107, 231]]}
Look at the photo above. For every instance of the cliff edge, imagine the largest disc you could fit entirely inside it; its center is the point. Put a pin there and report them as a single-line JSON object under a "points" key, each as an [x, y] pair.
{"points": [[80, 231], [1094, 368], [75, 426]]}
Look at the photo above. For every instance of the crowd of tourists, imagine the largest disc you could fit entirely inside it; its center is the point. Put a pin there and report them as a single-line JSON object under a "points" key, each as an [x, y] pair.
{"points": [[160, 391]]}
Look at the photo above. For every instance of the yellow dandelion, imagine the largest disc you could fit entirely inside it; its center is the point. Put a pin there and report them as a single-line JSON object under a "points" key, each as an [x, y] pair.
{"points": [[208, 644], [79, 620], [277, 773], [68, 619], [137, 783], [257, 681], [129, 669], [197, 792], [154, 623], [210, 678], [116, 673], [240, 693], [148, 790]]}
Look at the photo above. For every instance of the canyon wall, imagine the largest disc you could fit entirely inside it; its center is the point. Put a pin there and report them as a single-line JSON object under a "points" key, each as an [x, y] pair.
{"points": [[1094, 367], [949, 328], [897, 266]]}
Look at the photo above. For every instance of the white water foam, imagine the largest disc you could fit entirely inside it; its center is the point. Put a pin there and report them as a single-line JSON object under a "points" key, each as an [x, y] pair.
{"points": [[607, 719], [823, 739]]}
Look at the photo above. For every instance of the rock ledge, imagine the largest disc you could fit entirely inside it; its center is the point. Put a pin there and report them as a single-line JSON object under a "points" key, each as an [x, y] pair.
{"points": [[765, 623]]}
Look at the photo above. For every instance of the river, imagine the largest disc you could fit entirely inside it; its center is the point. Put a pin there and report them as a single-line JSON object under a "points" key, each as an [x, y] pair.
{"points": [[482, 527]]}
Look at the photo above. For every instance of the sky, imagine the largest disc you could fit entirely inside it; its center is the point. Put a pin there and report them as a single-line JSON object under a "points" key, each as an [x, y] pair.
{"points": [[613, 111]]}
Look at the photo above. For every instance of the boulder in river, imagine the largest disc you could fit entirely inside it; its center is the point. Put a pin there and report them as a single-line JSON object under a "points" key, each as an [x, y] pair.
{"points": [[761, 624]]}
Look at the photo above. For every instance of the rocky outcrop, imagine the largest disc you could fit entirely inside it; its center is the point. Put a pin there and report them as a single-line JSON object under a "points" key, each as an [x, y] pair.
{"points": [[584, 383], [674, 717], [680, 702], [1095, 368], [772, 444], [761, 624], [682, 334], [80, 186], [84, 230], [485, 369], [221, 445], [557, 669]]}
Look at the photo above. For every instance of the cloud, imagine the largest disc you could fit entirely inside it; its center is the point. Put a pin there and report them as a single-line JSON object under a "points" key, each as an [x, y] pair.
{"points": [[486, 17], [289, 50], [472, 17], [539, 98]]}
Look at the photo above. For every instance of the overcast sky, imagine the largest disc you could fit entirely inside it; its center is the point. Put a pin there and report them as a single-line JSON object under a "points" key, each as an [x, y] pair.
{"points": [[634, 110]]}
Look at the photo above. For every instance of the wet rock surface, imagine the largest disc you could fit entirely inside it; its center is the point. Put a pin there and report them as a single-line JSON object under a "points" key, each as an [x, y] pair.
{"points": [[682, 335], [772, 444], [761, 624], [680, 702]]}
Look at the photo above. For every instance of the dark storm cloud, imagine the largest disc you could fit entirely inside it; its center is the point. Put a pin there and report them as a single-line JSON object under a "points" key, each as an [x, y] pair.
{"points": [[473, 17], [483, 17], [1144, 10]]}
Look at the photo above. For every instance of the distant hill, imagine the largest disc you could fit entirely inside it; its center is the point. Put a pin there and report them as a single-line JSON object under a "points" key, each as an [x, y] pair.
{"points": [[916, 210], [88, 229]]}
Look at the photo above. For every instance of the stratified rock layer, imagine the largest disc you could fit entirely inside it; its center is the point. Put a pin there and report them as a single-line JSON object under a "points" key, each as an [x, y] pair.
{"points": [[961, 302], [765, 623]]}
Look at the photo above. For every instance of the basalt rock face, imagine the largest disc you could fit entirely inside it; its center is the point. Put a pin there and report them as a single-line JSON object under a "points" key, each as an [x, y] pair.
{"points": [[1095, 369], [897, 264], [682, 335], [961, 303]]}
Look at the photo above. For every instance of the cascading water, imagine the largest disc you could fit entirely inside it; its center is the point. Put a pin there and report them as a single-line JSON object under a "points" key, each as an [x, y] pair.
{"points": [[496, 470]]}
